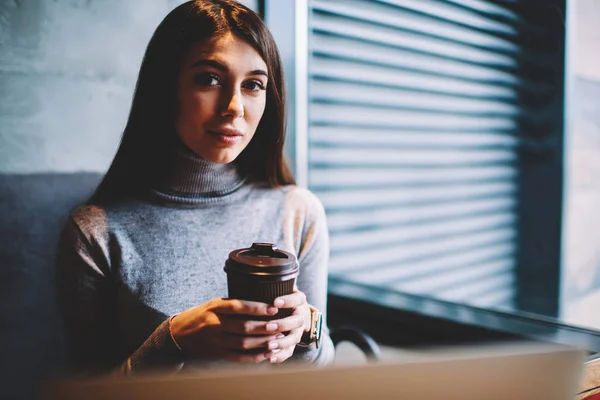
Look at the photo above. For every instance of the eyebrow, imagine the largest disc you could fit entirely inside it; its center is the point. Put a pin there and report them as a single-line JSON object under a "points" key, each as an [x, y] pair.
{"points": [[221, 67]]}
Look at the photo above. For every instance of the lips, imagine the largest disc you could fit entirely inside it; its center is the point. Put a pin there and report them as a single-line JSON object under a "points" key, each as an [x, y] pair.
{"points": [[226, 132], [226, 136]]}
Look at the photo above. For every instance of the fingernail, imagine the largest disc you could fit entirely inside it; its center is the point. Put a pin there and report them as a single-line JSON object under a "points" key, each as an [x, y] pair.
{"points": [[273, 345], [272, 310], [279, 302], [280, 336], [273, 360], [275, 351], [272, 326]]}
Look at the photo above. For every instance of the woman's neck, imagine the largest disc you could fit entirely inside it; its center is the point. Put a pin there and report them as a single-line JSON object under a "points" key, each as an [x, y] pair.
{"points": [[188, 175]]}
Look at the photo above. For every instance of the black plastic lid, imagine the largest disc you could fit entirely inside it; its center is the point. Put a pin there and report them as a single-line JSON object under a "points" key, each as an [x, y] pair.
{"points": [[262, 259]]}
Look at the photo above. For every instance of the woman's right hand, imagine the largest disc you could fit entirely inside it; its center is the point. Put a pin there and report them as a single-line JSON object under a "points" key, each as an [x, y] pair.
{"points": [[215, 330]]}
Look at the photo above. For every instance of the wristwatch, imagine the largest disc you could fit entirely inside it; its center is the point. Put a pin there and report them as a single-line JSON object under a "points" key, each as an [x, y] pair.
{"points": [[314, 334]]}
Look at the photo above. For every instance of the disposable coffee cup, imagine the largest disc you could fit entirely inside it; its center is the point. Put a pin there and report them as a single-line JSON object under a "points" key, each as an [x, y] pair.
{"points": [[261, 273]]}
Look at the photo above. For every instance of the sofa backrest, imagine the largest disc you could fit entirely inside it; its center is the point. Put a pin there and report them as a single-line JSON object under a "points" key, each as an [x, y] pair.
{"points": [[33, 209]]}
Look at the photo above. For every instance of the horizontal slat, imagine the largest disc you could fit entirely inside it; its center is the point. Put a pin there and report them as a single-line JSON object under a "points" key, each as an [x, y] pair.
{"points": [[363, 256], [358, 241], [399, 272], [335, 136], [344, 92], [370, 199], [356, 178], [332, 35], [471, 291], [381, 14], [352, 178], [447, 279], [487, 8], [327, 68], [349, 115], [341, 221], [409, 157]]}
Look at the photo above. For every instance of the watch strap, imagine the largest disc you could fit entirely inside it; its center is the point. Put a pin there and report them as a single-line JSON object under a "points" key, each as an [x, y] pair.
{"points": [[314, 334]]}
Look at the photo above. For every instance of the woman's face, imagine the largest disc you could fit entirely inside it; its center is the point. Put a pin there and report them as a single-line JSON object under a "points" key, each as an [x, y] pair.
{"points": [[221, 97]]}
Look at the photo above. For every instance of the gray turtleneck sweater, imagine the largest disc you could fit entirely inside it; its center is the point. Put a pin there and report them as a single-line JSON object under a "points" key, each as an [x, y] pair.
{"points": [[124, 269]]}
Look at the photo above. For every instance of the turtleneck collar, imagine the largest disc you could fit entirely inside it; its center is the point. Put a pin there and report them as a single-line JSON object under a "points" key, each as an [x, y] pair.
{"points": [[188, 178]]}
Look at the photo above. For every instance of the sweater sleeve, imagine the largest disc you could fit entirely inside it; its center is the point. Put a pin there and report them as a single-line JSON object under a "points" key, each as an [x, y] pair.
{"points": [[87, 301], [313, 257]]}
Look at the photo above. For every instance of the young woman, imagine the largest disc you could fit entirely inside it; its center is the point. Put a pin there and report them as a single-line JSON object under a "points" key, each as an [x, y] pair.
{"points": [[199, 172]]}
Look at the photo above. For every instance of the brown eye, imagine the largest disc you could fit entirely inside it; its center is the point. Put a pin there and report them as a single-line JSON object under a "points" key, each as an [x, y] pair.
{"points": [[254, 85], [207, 79]]}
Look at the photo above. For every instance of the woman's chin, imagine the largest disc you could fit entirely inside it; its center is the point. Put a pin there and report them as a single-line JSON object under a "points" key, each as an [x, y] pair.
{"points": [[221, 157]]}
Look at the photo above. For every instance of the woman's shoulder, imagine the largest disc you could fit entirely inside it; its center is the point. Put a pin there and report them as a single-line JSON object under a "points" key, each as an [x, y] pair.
{"points": [[94, 217], [300, 200], [89, 220], [100, 214], [291, 197], [302, 196], [88, 213]]}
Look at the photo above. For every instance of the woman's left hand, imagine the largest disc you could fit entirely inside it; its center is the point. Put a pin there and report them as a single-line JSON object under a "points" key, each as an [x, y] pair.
{"points": [[299, 321]]}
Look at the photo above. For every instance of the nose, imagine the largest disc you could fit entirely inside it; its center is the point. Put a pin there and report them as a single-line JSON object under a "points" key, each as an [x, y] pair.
{"points": [[233, 106]]}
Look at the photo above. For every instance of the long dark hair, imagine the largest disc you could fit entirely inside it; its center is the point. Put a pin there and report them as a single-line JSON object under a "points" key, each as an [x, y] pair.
{"points": [[151, 124]]}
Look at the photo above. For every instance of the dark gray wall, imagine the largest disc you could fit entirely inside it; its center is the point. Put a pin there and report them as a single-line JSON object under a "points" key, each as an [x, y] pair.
{"points": [[67, 73]]}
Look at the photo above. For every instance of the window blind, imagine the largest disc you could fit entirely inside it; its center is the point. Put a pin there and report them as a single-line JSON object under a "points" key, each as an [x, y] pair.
{"points": [[413, 120]]}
